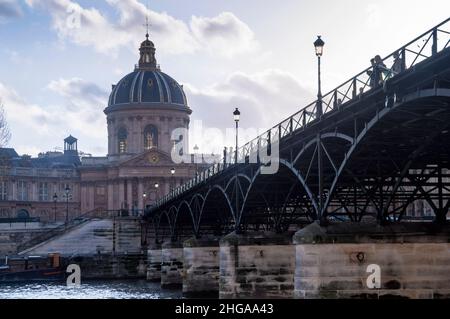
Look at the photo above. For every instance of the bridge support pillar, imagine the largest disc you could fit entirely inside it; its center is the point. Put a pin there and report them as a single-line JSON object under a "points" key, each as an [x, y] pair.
{"points": [[201, 268], [172, 265], [154, 260], [259, 265], [346, 261]]}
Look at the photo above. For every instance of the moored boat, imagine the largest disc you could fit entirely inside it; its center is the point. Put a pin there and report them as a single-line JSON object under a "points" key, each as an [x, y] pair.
{"points": [[32, 269]]}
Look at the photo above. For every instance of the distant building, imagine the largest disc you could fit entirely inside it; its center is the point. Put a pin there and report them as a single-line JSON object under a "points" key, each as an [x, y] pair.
{"points": [[143, 110]]}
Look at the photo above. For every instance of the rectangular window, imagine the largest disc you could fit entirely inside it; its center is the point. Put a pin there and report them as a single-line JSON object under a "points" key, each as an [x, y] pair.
{"points": [[43, 192], [22, 191], [3, 191]]}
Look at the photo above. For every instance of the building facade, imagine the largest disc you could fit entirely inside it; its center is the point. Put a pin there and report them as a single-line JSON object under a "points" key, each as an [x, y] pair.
{"points": [[143, 110]]}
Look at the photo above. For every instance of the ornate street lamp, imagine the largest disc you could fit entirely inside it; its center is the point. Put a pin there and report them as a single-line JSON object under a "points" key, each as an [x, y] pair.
{"points": [[237, 118], [172, 173], [196, 149], [319, 44]]}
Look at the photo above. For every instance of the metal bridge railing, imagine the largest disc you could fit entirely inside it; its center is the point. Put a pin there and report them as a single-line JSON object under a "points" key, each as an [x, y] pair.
{"points": [[421, 48]]}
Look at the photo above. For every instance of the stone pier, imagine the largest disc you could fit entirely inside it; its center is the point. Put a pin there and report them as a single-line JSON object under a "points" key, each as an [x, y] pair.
{"points": [[172, 265], [154, 261], [258, 265], [333, 262], [201, 268]]}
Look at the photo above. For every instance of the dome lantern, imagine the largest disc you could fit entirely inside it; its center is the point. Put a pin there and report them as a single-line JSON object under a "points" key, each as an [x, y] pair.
{"points": [[147, 51]]}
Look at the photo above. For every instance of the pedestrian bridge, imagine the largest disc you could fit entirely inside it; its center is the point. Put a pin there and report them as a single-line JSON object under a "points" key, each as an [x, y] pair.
{"points": [[372, 148], [360, 175]]}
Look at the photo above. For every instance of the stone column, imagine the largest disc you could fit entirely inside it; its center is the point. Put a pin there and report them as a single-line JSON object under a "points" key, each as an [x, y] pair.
{"points": [[34, 192], [14, 191], [130, 193], [172, 265], [140, 195], [110, 195], [201, 268], [259, 265], [121, 193], [336, 262]]}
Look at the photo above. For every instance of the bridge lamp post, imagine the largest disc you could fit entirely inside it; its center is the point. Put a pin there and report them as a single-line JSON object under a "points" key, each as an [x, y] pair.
{"points": [[55, 200], [172, 173], [237, 118], [319, 44], [144, 197], [196, 149]]}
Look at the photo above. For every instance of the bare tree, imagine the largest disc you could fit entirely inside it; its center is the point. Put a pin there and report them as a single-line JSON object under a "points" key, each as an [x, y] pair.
{"points": [[4, 139], [5, 135]]}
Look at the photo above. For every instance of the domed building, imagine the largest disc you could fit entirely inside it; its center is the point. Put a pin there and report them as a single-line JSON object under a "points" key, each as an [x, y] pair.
{"points": [[143, 110]]}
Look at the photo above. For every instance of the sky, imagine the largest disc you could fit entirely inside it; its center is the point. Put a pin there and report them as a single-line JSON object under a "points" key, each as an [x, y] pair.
{"points": [[59, 58]]}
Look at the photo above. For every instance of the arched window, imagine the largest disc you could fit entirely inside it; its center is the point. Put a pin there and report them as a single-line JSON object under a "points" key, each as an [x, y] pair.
{"points": [[150, 137], [23, 214], [122, 138]]}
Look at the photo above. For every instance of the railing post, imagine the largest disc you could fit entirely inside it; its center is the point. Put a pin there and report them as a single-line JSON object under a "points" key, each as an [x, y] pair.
{"points": [[403, 65], [335, 102], [292, 125], [434, 48], [304, 119], [354, 91]]}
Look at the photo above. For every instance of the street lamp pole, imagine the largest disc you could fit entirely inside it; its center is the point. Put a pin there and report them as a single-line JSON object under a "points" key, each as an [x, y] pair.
{"points": [[237, 117], [144, 198], [319, 44], [172, 174], [196, 148], [55, 199]]}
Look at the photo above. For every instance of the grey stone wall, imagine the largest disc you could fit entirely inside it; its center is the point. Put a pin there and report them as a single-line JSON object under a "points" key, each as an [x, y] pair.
{"points": [[154, 260], [172, 266], [333, 263], [257, 266], [201, 268]]}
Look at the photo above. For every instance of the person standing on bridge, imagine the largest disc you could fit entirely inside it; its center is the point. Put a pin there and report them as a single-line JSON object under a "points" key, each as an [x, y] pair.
{"points": [[374, 74], [383, 72], [398, 64]]}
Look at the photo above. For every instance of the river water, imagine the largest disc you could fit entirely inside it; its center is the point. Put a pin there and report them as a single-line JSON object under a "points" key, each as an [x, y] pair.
{"points": [[130, 289]]}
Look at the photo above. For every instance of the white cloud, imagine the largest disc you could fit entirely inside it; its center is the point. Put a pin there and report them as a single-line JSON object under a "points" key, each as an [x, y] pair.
{"points": [[89, 27], [85, 103], [264, 99], [225, 34]]}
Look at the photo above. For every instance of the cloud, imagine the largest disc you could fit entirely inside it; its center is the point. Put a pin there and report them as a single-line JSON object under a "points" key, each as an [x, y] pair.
{"points": [[224, 34], [85, 103], [9, 9], [89, 27], [264, 98], [40, 125]]}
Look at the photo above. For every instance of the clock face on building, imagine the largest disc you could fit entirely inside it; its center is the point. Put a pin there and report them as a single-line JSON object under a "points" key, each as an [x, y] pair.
{"points": [[154, 158]]}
